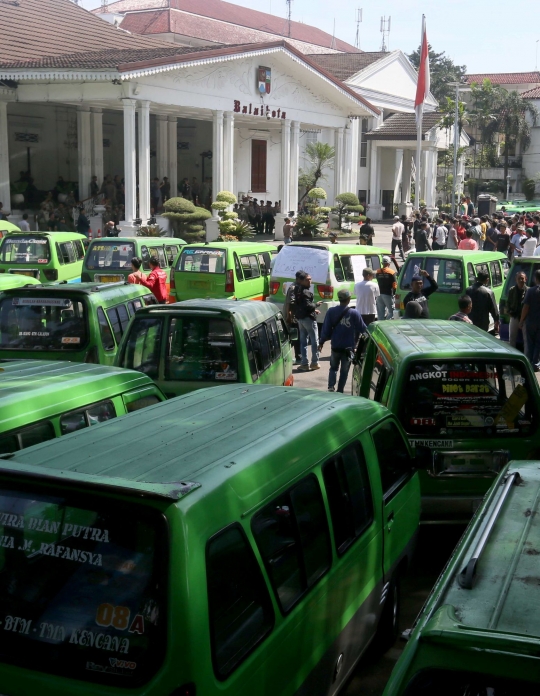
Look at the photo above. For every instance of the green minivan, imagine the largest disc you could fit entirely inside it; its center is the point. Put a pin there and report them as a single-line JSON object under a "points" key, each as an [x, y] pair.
{"points": [[82, 323], [333, 267], [471, 399], [108, 260], [454, 270], [479, 631], [44, 399], [208, 545], [9, 281], [200, 343], [49, 257], [223, 270]]}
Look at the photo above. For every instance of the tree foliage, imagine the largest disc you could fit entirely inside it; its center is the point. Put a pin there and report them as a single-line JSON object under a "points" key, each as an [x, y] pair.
{"points": [[186, 218], [320, 157], [443, 70]]}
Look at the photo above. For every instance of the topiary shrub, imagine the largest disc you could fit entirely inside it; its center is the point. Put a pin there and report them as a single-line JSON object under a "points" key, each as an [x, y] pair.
{"points": [[317, 193], [186, 219], [226, 197], [348, 203]]}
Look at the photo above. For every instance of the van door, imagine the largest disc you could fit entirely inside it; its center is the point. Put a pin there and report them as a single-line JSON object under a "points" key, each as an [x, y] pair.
{"points": [[253, 285], [401, 495]]}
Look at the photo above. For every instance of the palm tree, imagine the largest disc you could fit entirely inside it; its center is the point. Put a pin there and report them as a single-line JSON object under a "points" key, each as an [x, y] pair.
{"points": [[320, 157], [512, 122], [484, 116]]}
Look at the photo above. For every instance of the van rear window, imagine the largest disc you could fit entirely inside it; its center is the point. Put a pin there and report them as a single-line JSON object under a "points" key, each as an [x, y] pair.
{"points": [[446, 272], [106, 254], [80, 587], [32, 249], [203, 260], [42, 323], [468, 397]]}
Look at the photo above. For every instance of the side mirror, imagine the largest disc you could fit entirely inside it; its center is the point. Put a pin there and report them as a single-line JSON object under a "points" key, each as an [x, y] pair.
{"points": [[424, 457], [293, 334]]}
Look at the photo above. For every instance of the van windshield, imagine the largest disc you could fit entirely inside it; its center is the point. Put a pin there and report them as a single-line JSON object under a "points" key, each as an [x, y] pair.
{"points": [[31, 249], [80, 587], [493, 398], [105, 254], [446, 272], [203, 260], [42, 323]]}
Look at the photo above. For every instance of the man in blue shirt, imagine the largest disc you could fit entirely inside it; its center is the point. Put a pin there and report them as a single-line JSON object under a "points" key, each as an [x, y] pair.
{"points": [[342, 327]]}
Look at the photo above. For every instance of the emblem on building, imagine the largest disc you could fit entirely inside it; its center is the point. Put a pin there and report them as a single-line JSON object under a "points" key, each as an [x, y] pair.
{"points": [[264, 80]]}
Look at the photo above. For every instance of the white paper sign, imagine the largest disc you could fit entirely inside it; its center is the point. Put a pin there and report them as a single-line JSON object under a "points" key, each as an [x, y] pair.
{"points": [[358, 264], [290, 259]]}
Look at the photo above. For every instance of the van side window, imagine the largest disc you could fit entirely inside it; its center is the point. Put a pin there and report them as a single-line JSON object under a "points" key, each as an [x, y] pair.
{"points": [[79, 249], [143, 402], [483, 268], [134, 305], [338, 269], [275, 345], [250, 266], [374, 263], [123, 316], [32, 435], [251, 357], [172, 253], [264, 263], [145, 256], [115, 323], [143, 348], [496, 275], [105, 330], [294, 542], [349, 495], [68, 253], [347, 268], [85, 417], [470, 273], [59, 254], [261, 347], [392, 453], [378, 378], [160, 253], [239, 605], [282, 331]]}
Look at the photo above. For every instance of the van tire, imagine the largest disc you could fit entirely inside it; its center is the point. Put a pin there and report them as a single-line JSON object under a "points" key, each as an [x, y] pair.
{"points": [[388, 629]]}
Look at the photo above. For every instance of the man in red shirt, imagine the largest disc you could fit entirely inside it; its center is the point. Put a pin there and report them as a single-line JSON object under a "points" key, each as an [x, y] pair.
{"points": [[156, 281]]}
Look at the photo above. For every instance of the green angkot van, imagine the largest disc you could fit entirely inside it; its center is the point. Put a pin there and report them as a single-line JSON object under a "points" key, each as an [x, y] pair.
{"points": [[44, 399], [223, 270], [468, 400], [333, 267], [206, 545], [49, 257], [12, 280], [454, 270], [200, 343], [82, 323], [478, 633]]}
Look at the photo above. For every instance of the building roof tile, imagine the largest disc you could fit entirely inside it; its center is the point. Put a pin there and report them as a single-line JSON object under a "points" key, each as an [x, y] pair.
{"points": [[505, 78], [403, 126], [239, 15], [345, 65], [30, 34], [533, 93]]}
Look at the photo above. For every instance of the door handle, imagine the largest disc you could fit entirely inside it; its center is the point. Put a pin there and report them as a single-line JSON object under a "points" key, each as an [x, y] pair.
{"points": [[390, 521]]}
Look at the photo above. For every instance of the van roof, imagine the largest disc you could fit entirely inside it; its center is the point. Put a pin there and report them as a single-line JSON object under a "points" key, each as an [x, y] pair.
{"points": [[435, 339], [205, 438], [344, 248], [31, 390], [103, 289], [460, 253], [499, 611], [247, 312], [145, 240], [235, 246], [58, 236]]}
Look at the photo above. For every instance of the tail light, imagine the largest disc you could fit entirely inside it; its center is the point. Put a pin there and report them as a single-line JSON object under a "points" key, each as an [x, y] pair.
{"points": [[325, 291], [185, 690], [274, 287], [50, 273], [229, 281]]}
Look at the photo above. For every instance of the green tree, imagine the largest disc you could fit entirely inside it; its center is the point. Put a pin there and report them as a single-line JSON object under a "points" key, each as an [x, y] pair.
{"points": [[320, 157], [485, 99], [512, 122], [443, 70]]}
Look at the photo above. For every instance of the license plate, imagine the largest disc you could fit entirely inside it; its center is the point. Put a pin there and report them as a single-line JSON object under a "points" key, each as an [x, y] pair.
{"points": [[109, 278], [30, 274]]}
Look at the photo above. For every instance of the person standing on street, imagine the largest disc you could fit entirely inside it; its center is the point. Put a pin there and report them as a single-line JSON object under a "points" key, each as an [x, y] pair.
{"points": [[83, 223], [420, 294], [156, 281], [287, 231], [530, 321], [421, 240], [165, 190], [342, 327], [397, 237], [453, 239], [439, 238], [386, 280], [367, 232], [465, 308], [484, 303], [136, 264], [24, 225], [290, 319], [367, 292], [468, 244], [514, 305], [305, 312]]}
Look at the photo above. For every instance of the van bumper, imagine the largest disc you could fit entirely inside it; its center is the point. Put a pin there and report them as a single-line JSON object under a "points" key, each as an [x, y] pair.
{"points": [[450, 509]]}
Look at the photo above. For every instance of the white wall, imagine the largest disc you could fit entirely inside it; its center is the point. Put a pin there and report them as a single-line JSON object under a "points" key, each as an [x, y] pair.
{"points": [[388, 168]]}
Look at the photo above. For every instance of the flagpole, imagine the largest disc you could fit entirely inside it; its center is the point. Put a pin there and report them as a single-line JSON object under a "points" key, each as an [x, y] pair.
{"points": [[419, 132]]}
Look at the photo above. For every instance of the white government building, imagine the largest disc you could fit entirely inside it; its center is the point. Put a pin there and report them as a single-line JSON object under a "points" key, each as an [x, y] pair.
{"points": [[97, 100]]}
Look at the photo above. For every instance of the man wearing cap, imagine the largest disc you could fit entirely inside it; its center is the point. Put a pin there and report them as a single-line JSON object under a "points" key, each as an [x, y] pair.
{"points": [[386, 280], [398, 228], [484, 303], [419, 293], [342, 327], [367, 292]]}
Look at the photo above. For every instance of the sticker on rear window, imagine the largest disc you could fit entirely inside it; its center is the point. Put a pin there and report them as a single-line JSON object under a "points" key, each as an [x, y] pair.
{"points": [[226, 375], [42, 261], [71, 339]]}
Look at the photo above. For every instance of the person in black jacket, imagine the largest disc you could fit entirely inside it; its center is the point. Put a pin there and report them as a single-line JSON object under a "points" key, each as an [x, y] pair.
{"points": [[483, 302], [419, 293], [305, 312]]}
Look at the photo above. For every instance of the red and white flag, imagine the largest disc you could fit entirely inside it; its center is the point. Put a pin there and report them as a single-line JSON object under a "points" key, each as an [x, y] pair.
{"points": [[423, 84]]}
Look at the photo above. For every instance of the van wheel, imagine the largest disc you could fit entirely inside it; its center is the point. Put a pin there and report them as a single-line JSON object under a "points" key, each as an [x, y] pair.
{"points": [[388, 630]]}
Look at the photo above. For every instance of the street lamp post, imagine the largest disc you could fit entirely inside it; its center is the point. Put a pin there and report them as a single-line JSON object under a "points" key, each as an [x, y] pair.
{"points": [[456, 143], [508, 187]]}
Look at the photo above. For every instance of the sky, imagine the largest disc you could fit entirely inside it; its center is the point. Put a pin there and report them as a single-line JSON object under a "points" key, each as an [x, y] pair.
{"points": [[485, 35]]}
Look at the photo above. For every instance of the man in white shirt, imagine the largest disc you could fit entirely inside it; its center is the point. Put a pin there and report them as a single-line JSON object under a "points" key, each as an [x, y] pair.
{"points": [[515, 242], [398, 228], [529, 247], [439, 238], [23, 224], [366, 292]]}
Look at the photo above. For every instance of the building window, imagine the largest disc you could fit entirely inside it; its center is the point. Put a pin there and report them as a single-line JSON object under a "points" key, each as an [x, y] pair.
{"points": [[363, 143], [258, 166]]}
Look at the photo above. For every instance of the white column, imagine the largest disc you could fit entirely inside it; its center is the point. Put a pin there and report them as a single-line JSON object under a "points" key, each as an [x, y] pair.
{"points": [[295, 163], [406, 176], [144, 160], [228, 152], [355, 154], [5, 195], [217, 154], [130, 179], [338, 162], [375, 211], [431, 179], [347, 157], [173, 155], [97, 144], [399, 172], [162, 166], [285, 178], [84, 151]]}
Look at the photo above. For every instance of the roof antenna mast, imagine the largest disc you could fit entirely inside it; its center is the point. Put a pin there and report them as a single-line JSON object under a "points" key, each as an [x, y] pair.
{"points": [[289, 13], [104, 5], [358, 23], [385, 31]]}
